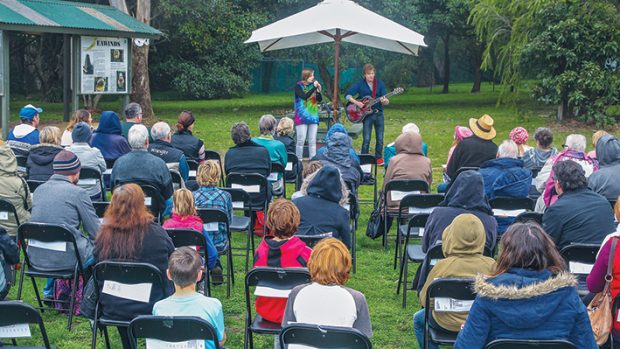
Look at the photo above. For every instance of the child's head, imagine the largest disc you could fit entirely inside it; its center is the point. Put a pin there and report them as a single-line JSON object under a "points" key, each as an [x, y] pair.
{"points": [[208, 174], [183, 202], [184, 267], [330, 262], [282, 218], [311, 168]]}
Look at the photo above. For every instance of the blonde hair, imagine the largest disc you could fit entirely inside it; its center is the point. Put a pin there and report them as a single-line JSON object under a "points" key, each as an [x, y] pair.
{"points": [[50, 135], [80, 115], [183, 201], [330, 262], [282, 218], [305, 74], [285, 126], [368, 68], [597, 136], [208, 174]]}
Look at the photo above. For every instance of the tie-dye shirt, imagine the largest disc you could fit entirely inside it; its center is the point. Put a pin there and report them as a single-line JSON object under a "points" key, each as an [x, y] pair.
{"points": [[306, 110]]}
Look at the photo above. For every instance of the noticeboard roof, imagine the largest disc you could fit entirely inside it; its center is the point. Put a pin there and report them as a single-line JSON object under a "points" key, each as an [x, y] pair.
{"points": [[66, 17]]}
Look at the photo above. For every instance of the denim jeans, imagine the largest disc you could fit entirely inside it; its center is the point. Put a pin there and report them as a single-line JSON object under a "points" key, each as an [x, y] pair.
{"points": [[376, 120], [48, 290], [418, 327]]}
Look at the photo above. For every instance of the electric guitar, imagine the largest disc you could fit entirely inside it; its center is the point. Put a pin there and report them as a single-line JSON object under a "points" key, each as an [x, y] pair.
{"points": [[356, 114]]}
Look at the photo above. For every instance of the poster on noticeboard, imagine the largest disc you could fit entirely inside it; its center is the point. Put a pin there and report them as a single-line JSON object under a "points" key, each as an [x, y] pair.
{"points": [[104, 65]]}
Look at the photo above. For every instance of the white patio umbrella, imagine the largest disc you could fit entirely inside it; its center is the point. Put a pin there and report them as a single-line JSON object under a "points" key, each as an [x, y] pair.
{"points": [[337, 21]]}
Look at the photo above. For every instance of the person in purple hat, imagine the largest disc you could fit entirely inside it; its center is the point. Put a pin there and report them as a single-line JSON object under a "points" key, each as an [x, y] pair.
{"points": [[25, 134]]}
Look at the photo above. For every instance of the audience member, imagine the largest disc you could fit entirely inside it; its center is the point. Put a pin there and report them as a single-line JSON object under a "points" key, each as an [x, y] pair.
{"points": [[530, 296], [192, 146], [463, 248], [80, 115], [474, 150], [311, 168], [185, 270], [338, 128], [505, 176], [284, 132], [174, 158], [277, 150], [184, 217], [320, 211], [535, 158], [9, 256], [281, 249], [141, 167], [595, 138], [41, 156], [520, 136], [13, 188], [390, 149], [408, 163], [466, 195], [460, 133], [605, 181], [108, 139], [337, 155], [303, 191], [246, 156], [89, 157], [26, 134], [580, 215], [326, 301], [209, 195], [138, 240], [133, 116]]}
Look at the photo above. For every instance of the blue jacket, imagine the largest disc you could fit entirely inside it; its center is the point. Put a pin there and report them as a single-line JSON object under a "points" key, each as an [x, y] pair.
{"points": [[361, 89], [338, 128], [526, 304], [505, 177], [108, 139]]}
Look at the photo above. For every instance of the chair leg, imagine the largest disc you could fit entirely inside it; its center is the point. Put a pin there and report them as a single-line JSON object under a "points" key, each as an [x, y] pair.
{"points": [[228, 275], [207, 282], [72, 299], [247, 247], [21, 281], [232, 268], [36, 293], [94, 335], [397, 247], [405, 270], [106, 337]]}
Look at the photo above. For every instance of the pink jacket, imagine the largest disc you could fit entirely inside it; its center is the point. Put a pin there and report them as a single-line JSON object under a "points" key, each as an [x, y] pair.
{"points": [[187, 222]]}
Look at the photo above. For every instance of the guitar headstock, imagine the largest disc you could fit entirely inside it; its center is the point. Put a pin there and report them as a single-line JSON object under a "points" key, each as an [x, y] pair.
{"points": [[398, 90]]}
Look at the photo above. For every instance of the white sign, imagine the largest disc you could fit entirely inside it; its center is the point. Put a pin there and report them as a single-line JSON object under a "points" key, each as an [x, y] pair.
{"points": [[289, 167], [273, 176], [15, 331], [210, 226], [87, 182], [417, 210], [104, 65], [192, 174], [452, 305], [247, 188], [59, 246], [271, 292], [148, 201], [366, 168], [397, 195], [506, 213], [157, 344], [134, 292], [108, 171], [420, 232], [4, 216], [238, 204], [580, 268]]}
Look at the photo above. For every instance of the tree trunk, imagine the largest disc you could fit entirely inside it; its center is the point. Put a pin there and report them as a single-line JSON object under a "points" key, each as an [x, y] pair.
{"points": [[446, 64], [328, 89], [141, 89], [477, 62], [563, 111]]}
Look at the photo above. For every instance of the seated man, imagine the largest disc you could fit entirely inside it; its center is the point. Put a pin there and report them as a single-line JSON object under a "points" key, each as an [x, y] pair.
{"points": [[26, 134], [605, 180], [133, 116], [580, 215], [141, 167], [277, 150], [162, 148]]}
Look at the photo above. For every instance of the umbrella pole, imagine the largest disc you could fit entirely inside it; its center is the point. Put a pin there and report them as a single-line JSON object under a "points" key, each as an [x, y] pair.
{"points": [[336, 75]]}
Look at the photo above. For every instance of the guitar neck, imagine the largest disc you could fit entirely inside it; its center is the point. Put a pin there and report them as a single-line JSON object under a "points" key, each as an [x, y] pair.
{"points": [[376, 100]]}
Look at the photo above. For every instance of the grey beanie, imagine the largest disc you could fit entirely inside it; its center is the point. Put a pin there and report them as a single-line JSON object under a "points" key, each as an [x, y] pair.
{"points": [[81, 133]]}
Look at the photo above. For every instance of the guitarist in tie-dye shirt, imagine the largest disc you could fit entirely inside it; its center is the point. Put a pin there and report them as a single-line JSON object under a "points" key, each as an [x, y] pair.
{"points": [[307, 97]]}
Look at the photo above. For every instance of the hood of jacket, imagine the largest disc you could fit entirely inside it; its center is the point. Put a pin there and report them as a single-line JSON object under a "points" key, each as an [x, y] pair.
{"points": [[409, 143], [464, 236], [292, 245], [109, 123], [467, 192], [326, 184], [336, 128], [22, 130], [540, 292], [8, 161], [608, 150], [43, 154], [338, 149]]}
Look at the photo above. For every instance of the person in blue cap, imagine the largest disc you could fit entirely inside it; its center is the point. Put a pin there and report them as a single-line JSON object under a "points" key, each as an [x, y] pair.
{"points": [[26, 134]]}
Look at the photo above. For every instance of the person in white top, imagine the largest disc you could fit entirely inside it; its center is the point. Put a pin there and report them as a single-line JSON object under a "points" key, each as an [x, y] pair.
{"points": [[80, 115]]}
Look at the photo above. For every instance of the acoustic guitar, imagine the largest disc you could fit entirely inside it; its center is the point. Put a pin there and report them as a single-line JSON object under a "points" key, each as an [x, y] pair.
{"points": [[356, 114]]}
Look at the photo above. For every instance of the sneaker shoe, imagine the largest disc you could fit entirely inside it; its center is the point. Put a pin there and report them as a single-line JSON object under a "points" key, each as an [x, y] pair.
{"points": [[380, 162], [217, 278]]}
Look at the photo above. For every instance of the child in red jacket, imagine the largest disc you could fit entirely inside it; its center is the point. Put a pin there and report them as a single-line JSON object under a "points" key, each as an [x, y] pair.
{"points": [[280, 250]]}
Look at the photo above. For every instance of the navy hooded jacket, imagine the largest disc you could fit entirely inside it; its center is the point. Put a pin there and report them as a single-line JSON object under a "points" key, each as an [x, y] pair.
{"points": [[605, 181], [108, 139]]}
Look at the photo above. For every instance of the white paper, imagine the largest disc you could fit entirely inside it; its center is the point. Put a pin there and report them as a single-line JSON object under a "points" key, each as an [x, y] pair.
{"points": [[580, 268], [273, 177], [397, 195], [238, 204], [247, 188], [434, 261], [4, 216], [192, 173], [100, 220], [148, 201], [157, 344], [108, 171], [211, 226], [22, 169], [452, 305], [367, 168], [420, 232], [506, 213], [87, 182], [59, 246], [15, 331], [289, 166], [417, 210], [134, 292], [347, 207], [271, 292]]}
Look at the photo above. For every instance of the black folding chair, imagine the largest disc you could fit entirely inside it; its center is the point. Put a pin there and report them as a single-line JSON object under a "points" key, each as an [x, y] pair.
{"points": [[124, 273], [193, 167], [40, 235], [312, 240], [459, 289], [242, 203], [34, 184], [580, 259], [354, 213], [153, 200], [398, 189], [319, 336], [22, 165], [213, 155], [529, 343], [6, 209], [278, 174], [172, 329], [255, 185], [273, 278], [535, 171], [530, 217], [512, 204], [92, 176], [294, 169], [368, 163], [100, 208], [612, 203], [18, 313], [193, 238], [109, 164], [413, 252], [215, 216], [177, 180]]}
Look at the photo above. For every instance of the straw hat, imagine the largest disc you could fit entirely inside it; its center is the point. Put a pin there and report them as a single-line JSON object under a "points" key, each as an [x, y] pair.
{"points": [[483, 127]]}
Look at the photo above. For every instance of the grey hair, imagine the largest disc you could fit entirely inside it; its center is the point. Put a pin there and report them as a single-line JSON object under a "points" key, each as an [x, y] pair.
{"points": [[240, 133], [138, 136], [267, 124], [576, 142], [132, 110], [160, 131], [508, 149]]}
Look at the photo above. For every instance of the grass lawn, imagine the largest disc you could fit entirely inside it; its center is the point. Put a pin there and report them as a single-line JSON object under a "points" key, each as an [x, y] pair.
{"points": [[436, 115]]}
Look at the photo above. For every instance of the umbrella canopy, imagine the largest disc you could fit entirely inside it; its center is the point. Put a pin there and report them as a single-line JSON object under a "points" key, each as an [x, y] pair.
{"points": [[337, 21]]}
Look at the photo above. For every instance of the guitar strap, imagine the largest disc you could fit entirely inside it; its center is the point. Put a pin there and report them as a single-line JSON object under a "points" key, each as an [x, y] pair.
{"points": [[374, 88]]}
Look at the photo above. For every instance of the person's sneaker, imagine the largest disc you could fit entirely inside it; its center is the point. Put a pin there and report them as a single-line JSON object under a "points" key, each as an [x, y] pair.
{"points": [[380, 162], [216, 275]]}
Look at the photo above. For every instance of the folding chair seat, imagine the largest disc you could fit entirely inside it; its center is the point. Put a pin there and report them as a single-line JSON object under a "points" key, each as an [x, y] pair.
{"points": [[49, 237], [92, 176], [293, 170], [398, 189], [266, 281], [213, 155], [21, 315], [193, 167], [193, 238], [323, 336], [177, 180], [368, 163], [580, 259], [242, 203], [529, 343], [173, 331], [211, 218]]}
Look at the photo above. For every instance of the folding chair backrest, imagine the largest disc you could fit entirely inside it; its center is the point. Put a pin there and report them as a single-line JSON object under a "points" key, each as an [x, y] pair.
{"points": [[323, 337], [254, 184], [418, 220], [193, 167], [278, 171], [120, 278], [312, 240], [187, 237], [100, 208], [212, 215], [7, 209], [433, 255], [240, 198], [535, 171], [47, 236], [399, 188], [612, 203], [177, 180], [368, 163], [353, 206], [181, 330], [20, 315], [22, 163], [153, 199], [529, 344], [92, 176], [505, 206], [419, 203], [33, 184], [580, 258], [291, 166], [442, 291], [530, 217], [213, 155]]}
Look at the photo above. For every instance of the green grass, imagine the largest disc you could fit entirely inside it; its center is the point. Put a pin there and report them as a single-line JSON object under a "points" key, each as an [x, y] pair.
{"points": [[436, 115]]}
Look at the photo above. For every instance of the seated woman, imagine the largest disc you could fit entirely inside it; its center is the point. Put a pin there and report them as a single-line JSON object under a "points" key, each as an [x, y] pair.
{"points": [[311, 168], [41, 156], [284, 132], [596, 136], [337, 155], [460, 133], [280, 249], [529, 296], [535, 158], [80, 115], [338, 128], [462, 245], [520, 136], [13, 188], [108, 137], [183, 139], [277, 150], [326, 301], [390, 149]]}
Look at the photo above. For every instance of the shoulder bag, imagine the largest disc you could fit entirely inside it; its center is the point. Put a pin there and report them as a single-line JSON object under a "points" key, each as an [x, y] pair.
{"points": [[599, 309]]}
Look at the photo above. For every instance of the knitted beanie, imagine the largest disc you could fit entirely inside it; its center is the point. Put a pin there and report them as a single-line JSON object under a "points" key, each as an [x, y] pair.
{"points": [[66, 163], [81, 133]]}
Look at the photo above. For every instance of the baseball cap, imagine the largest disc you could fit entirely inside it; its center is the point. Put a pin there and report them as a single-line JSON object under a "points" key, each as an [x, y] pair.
{"points": [[29, 111]]}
